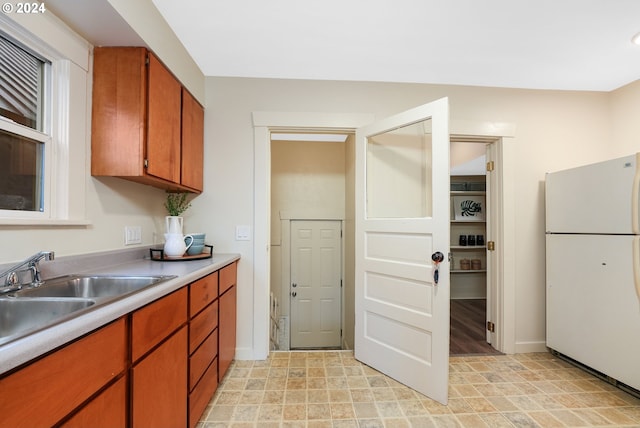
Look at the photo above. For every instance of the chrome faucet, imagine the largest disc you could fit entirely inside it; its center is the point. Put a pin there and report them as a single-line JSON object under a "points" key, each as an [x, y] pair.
{"points": [[12, 275]]}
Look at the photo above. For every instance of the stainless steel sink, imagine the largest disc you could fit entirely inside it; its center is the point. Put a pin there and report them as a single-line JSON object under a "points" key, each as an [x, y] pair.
{"points": [[59, 299], [19, 317], [91, 287]]}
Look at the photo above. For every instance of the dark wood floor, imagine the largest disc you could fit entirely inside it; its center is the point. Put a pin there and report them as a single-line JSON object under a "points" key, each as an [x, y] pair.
{"points": [[467, 331]]}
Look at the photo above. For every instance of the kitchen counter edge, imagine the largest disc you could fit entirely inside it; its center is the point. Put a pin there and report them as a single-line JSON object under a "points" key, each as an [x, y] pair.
{"points": [[20, 351]]}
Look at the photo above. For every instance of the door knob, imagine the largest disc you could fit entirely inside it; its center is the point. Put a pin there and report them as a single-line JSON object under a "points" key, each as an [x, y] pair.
{"points": [[437, 258], [294, 285], [294, 294]]}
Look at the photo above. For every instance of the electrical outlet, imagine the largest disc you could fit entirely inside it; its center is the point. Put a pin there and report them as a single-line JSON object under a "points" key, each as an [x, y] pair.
{"points": [[132, 235]]}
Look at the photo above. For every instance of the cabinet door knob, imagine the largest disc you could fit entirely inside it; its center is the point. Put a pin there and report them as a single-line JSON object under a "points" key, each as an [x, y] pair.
{"points": [[294, 294]]}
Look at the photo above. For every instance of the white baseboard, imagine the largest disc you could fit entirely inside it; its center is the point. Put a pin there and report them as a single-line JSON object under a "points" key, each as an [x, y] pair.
{"points": [[526, 347], [245, 354]]}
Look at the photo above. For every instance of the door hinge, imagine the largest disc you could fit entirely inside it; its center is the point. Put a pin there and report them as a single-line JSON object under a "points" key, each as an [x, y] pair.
{"points": [[491, 327], [490, 166], [491, 245], [340, 283], [146, 163]]}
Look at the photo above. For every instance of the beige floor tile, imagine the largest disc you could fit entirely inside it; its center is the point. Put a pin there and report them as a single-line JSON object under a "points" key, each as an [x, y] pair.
{"points": [[332, 389]]}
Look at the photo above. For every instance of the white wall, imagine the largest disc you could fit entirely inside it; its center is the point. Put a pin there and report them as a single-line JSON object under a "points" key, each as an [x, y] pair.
{"points": [[554, 130], [624, 114]]}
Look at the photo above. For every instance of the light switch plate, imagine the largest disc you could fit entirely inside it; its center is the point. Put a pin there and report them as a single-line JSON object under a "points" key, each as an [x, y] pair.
{"points": [[132, 235], [243, 233]]}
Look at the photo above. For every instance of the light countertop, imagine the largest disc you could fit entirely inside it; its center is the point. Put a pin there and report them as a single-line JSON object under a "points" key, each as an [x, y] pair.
{"points": [[22, 350]]}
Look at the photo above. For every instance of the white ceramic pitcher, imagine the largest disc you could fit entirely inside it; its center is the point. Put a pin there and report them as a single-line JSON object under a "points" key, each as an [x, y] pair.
{"points": [[174, 245]]}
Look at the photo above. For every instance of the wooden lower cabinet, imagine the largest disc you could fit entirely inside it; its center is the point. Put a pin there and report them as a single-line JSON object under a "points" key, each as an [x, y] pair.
{"points": [[227, 322], [227, 328], [107, 410], [159, 385], [158, 366], [45, 392]]}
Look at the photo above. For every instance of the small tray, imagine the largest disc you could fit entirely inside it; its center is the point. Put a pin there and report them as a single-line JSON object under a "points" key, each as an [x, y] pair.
{"points": [[157, 254]]}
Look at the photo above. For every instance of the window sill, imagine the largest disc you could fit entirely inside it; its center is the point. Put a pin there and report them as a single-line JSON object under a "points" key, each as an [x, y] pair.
{"points": [[45, 223]]}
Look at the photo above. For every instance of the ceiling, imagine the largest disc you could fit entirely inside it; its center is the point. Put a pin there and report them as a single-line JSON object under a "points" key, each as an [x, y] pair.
{"points": [[542, 44]]}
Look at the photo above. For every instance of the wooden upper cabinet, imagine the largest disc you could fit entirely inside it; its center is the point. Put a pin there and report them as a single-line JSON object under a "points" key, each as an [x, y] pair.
{"points": [[163, 127], [139, 129], [192, 142], [118, 128]]}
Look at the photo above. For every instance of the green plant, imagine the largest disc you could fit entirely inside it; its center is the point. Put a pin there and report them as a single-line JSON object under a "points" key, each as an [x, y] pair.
{"points": [[176, 203]]}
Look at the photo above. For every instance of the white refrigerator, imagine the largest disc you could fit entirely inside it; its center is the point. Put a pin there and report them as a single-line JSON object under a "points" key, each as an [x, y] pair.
{"points": [[593, 267]]}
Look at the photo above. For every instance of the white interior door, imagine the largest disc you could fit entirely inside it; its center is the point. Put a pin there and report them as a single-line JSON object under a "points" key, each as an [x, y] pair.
{"points": [[315, 289], [402, 218]]}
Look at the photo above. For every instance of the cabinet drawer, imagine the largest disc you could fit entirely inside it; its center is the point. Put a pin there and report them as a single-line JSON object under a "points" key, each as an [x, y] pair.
{"points": [[202, 394], [44, 392], [202, 357], [151, 324], [203, 292], [228, 276], [203, 324]]}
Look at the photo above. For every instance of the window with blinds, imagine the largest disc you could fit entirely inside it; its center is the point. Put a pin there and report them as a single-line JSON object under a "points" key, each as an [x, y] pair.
{"points": [[22, 135]]}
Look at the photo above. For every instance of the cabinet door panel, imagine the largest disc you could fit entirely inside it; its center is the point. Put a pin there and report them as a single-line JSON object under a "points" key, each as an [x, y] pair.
{"points": [[159, 385], [107, 410], [192, 141], [227, 330], [163, 132], [156, 321], [119, 106], [58, 383]]}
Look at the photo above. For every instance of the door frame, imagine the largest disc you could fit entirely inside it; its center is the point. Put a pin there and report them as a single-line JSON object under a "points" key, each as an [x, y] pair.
{"points": [[503, 133]]}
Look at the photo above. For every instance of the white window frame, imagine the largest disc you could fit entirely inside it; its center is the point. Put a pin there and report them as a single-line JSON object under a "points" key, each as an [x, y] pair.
{"points": [[55, 132]]}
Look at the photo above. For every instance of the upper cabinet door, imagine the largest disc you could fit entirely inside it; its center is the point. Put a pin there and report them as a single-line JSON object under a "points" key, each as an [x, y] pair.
{"points": [[163, 132], [192, 141], [118, 112]]}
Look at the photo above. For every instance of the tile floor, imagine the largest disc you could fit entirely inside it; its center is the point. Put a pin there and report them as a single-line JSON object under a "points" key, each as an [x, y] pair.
{"points": [[332, 389]]}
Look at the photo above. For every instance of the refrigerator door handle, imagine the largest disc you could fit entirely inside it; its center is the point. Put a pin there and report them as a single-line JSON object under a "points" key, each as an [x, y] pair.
{"points": [[636, 264], [635, 209]]}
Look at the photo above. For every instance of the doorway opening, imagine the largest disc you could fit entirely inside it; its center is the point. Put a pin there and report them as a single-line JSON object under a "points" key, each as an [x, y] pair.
{"points": [[470, 269], [309, 240]]}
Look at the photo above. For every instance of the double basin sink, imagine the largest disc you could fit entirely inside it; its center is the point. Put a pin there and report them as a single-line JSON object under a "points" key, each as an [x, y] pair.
{"points": [[60, 299]]}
